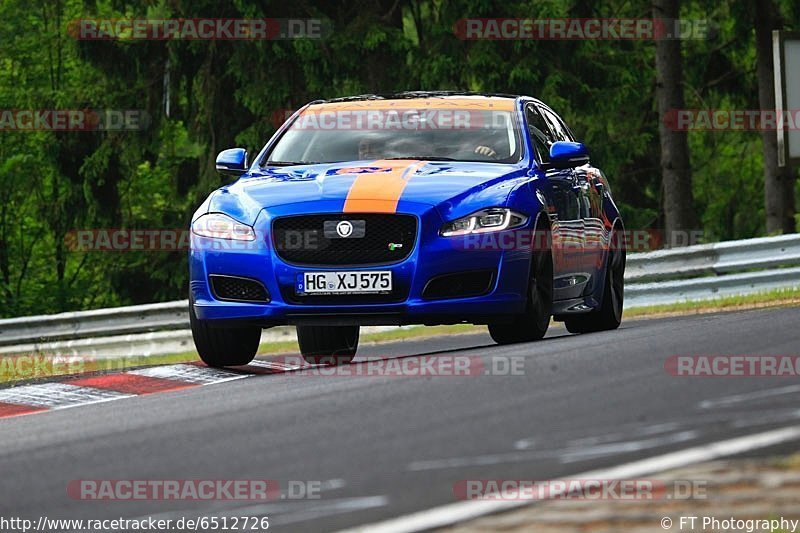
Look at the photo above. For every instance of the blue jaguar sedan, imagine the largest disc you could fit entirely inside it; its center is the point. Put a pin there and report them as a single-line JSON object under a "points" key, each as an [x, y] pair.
{"points": [[415, 208]]}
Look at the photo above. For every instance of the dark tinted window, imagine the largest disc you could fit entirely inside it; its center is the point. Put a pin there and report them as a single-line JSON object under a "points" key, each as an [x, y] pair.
{"points": [[539, 132], [323, 135], [557, 125]]}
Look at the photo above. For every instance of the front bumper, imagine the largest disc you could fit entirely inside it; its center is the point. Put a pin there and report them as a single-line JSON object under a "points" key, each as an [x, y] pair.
{"points": [[432, 256]]}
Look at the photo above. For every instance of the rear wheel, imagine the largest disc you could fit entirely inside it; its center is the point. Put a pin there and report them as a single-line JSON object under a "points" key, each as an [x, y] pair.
{"points": [[328, 345], [532, 324], [223, 346], [609, 315]]}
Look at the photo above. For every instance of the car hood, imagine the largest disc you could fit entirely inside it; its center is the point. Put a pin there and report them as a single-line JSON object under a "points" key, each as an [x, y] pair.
{"points": [[367, 186]]}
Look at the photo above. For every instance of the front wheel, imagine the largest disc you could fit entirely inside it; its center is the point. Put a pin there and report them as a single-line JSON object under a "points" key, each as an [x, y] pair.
{"points": [[328, 345], [532, 324], [223, 346]]}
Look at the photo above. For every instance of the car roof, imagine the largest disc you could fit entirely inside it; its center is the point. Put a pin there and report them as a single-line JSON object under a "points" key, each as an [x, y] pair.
{"points": [[480, 100], [420, 94]]}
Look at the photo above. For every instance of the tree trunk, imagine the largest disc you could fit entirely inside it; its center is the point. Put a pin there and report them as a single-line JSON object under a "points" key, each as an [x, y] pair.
{"points": [[676, 172], [778, 181]]}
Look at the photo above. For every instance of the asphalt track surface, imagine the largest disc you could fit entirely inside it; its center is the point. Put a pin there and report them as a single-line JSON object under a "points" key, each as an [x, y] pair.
{"points": [[388, 446]]}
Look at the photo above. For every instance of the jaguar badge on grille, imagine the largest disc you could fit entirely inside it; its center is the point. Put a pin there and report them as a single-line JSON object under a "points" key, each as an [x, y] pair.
{"points": [[344, 229]]}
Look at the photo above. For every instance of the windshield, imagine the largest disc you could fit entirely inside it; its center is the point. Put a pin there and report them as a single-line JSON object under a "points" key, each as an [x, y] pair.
{"points": [[331, 134]]}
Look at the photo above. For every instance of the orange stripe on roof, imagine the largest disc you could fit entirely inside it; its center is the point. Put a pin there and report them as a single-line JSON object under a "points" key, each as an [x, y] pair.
{"points": [[379, 191], [477, 103]]}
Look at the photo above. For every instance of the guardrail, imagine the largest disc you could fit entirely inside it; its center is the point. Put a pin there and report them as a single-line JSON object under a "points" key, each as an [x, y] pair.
{"points": [[715, 258], [95, 323], [666, 276], [709, 271]]}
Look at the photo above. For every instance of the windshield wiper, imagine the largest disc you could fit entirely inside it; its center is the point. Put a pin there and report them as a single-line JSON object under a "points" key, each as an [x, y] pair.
{"points": [[422, 158], [288, 163]]}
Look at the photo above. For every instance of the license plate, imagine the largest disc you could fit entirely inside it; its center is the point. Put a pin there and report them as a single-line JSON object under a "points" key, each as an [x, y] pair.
{"points": [[361, 282]]}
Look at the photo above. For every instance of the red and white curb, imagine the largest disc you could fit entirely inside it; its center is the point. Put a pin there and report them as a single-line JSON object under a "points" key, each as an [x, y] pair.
{"points": [[74, 391], [47, 396], [77, 391]]}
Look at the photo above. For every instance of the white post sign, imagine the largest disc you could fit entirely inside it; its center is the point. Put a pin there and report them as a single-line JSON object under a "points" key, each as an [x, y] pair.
{"points": [[786, 61]]}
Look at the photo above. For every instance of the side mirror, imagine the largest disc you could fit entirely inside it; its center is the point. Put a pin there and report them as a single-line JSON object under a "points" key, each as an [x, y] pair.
{"points": [[232, 162], [565, 154]]}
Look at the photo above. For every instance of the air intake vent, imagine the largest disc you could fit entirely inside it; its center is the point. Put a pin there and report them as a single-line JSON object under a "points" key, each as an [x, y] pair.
{"points": [[459, 285], [236, 289]]}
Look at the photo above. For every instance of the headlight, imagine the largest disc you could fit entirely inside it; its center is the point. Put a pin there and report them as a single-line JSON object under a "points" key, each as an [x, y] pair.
{"points": [[493, 219], [219, 226]]}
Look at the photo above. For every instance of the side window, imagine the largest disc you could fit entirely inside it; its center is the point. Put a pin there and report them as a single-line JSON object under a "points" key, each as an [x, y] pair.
{"points": [[539, 132], [566, 129], [557, 125]]}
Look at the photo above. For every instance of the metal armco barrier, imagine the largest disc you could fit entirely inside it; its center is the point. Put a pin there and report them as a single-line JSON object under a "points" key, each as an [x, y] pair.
{"points": [[693, 273]]}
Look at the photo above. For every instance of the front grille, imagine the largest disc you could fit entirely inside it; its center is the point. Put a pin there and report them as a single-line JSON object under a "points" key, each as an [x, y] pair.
{"points": [[303, 240], [459, 285], [238, 289]]}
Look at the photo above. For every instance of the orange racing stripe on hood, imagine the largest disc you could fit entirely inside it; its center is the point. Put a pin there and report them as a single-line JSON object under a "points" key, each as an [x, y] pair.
{"points": [[378, 187]]}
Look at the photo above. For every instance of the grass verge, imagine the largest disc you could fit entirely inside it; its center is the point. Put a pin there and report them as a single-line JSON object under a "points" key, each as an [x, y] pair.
{"points": [[774, 298]]}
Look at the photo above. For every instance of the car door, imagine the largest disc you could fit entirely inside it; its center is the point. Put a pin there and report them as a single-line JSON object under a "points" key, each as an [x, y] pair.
{"points": [[564, 207], [588, 187]]}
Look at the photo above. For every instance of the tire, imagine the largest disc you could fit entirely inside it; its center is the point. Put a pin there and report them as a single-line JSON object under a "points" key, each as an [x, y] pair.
{"points": [[328, 345], [223, 346], [609, 315], [532, 324]]}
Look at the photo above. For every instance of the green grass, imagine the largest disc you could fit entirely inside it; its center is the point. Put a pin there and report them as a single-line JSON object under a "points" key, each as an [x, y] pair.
{"points": [[24, 367], [13, 369], [788, 462], [774, 298]]}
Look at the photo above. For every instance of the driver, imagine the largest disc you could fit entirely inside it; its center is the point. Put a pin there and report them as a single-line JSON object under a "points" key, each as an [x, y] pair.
{"points": [[488, 151], [487, 148], [371, 148]]}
